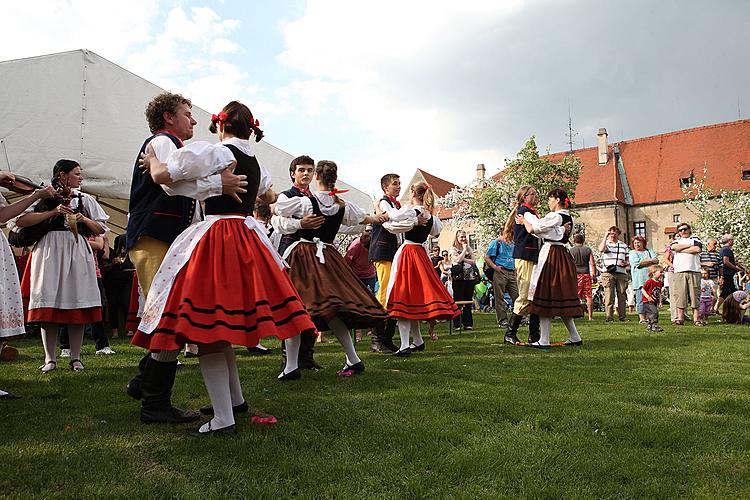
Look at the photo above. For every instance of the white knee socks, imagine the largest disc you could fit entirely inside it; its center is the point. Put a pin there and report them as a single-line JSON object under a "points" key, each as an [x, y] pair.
{"points": [[545, 325], [235, 387], [572, 330], [216, 377], [342, 333], [404, 329], [292, 354], [49, 341], [415, 333], [75, 336]]}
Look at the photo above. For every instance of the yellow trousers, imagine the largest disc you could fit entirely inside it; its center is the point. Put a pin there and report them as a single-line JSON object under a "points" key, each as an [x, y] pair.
{"points": [[524, 268], [147, 255], [383, 268]]}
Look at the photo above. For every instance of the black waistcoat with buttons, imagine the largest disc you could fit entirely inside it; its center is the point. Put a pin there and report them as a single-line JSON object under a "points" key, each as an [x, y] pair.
{"points": [[153, 212], [419, 234], [225, 204]]}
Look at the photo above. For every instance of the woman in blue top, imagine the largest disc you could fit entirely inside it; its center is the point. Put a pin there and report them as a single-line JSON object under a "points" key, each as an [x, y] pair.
{"points": [[640, 259], [500, 258]]}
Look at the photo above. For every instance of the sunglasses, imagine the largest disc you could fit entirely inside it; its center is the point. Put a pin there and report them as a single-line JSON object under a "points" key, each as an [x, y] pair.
{"points": [[683, 229]]}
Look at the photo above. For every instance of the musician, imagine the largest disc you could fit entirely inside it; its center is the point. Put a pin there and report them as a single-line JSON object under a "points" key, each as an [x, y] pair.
{"points": [[60, 279]]}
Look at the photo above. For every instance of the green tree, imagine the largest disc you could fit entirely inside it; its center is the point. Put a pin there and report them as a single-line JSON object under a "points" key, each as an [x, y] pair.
{"points": [[489, 202]]}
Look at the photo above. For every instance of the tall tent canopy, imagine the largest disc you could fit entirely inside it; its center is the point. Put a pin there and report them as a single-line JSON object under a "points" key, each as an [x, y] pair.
{"points": [[80, 106]]}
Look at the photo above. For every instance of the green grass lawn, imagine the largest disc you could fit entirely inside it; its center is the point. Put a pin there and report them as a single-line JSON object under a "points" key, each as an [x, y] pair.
{"points": [[629, 414]]}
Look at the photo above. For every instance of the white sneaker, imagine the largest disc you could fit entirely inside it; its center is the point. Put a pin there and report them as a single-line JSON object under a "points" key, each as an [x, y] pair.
{"points": [[64, 353], [107, 350]]}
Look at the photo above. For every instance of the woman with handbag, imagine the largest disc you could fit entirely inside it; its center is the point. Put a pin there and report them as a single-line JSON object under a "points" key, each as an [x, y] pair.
{"points": [[641, 258], [60, 278], [465, 275]]}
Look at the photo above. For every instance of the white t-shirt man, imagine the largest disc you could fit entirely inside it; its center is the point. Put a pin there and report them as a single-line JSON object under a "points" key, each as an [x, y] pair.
{"points": [[683, 261]]}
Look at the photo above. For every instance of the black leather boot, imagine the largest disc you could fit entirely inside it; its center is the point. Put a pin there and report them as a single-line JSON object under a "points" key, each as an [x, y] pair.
{"points": [[389, 331], [156, 391], [511, 333], [134, 386], [306, 352], [534, 331], [379, 337]]}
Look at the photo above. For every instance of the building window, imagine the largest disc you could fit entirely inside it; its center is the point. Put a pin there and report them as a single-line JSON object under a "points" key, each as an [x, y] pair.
{"points": [[687, 181], [746, 175], [639, 228], [473, 241], [676, 218]]}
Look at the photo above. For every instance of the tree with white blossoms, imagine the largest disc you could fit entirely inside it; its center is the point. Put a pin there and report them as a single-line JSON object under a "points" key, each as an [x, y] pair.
{"points": [[716, 214], [488, 202]]}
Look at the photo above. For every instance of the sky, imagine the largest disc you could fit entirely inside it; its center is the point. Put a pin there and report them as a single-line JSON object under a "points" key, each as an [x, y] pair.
{"points": [[391, 86]]}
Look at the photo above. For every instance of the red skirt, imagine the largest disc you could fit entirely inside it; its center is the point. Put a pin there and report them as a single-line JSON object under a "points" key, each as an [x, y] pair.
{"points": [[332, 289], [132, 319], [557, 289], [232, 290], [417, 292]]}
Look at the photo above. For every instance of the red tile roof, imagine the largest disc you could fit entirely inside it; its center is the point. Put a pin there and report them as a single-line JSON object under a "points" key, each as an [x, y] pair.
{"points": [[654, 165], [441, 187]]}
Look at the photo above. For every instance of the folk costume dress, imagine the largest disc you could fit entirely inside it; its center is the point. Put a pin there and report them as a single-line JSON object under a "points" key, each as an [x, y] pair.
{"points": [[414, 291], [11, 304], [59, 281], [327, 285], [553, 290], [221, 280]]}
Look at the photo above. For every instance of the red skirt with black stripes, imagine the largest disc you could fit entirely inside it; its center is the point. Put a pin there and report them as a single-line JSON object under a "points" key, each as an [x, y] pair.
{"points": [[230, 290], [417, 292]]}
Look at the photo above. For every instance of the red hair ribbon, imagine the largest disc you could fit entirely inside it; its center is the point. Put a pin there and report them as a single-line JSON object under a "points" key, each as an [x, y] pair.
{"points": [[428, 186], [257, 123], [335, 191], [221, 117], [567, 202]]}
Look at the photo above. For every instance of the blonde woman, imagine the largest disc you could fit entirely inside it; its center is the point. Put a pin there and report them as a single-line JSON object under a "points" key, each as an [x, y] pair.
{"points": [[463, 270]]}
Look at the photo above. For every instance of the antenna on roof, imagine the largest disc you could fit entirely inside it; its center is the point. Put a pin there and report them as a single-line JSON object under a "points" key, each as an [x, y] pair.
{"points": [[738, 108], [571, 134]]}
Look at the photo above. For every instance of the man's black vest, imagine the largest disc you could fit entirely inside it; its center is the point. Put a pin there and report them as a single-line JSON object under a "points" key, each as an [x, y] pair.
{"points": [[153, 212], [383, 245], [526, 245]]}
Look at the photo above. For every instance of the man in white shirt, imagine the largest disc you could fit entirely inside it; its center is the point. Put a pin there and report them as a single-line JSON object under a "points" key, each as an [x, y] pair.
{"points": [[615, 278], [687, 273]]}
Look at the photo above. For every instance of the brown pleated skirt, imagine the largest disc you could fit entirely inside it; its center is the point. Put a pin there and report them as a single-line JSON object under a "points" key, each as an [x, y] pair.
{"points": [[557, 290], [332, 289]]}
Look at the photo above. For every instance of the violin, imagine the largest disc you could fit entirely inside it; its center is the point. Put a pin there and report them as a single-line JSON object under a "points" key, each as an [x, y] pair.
{"points": [[21, 185]]}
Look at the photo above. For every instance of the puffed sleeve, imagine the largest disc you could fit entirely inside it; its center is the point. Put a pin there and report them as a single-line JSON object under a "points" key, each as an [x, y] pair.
{"points": [[353, 215], [265, 181], [95, 211], [198, 160], [549, 226], [437, 226], [401, 220], [295, 207]]}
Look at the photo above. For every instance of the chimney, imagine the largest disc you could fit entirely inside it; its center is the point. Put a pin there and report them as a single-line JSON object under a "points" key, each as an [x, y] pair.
{"points": [[480, 171], [602, 137]]}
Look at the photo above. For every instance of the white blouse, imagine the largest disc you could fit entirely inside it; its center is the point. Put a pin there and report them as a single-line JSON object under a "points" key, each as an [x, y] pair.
{"points": [[202, 160], [95, 211], [405, 218], [297, 207], [549, 227]]}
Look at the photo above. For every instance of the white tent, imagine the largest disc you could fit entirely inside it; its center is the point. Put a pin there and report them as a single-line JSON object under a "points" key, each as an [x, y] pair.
{"points": [[80, 106]]}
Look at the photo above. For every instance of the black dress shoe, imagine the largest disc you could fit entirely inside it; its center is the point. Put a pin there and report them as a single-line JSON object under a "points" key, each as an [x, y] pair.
{"points": [[356, 368], [295, 374], [224, 431], [415, 347], [240, 408], [511, 339], [570, 343], [257, 351], [8, 396], [388, 344], [403, 353]]}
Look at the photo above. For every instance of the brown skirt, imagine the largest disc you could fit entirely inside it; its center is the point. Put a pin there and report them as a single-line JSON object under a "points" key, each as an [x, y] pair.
{"points": [[332, 289], [557, 290]]}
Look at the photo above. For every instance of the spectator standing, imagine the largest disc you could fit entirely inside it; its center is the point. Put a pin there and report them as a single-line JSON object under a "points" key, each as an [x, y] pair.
{"points": [[358, 259], [729, 267], [641, 258], [465, 275], [500, 258], [651, 292], [708, 295], [586, 271], [711, 259], [615, 278], [669, 278], [436, 259], [687, 273]]}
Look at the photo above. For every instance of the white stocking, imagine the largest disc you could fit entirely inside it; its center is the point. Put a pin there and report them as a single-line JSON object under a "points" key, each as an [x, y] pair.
{"points": [[75, 336], [342, 333], [216, 377], [572, 330], [49, 341], [292, 353], [545, 325], [235, 388], [404, 328], [415, 333]]}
